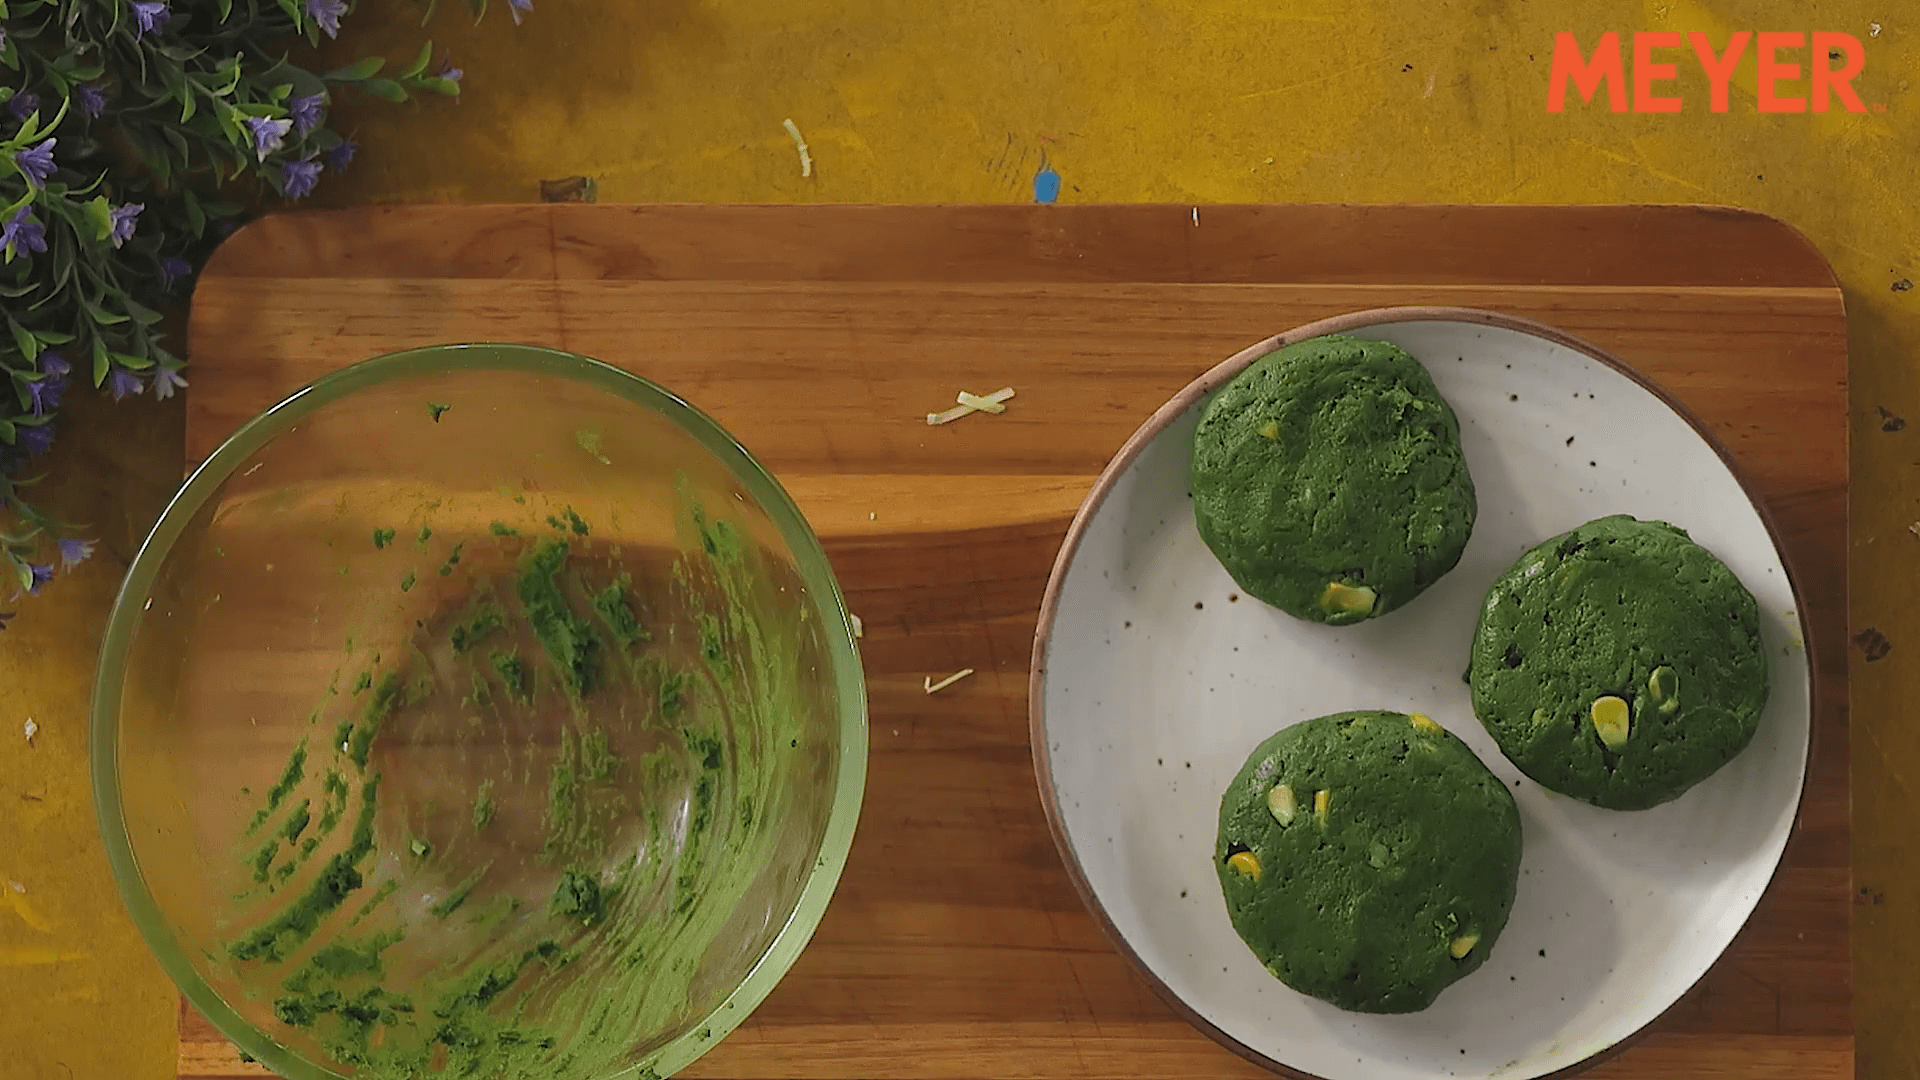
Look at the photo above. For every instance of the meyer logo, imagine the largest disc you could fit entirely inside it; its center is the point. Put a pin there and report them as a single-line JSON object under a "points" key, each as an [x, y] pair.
{"points": [[1836, 59]]}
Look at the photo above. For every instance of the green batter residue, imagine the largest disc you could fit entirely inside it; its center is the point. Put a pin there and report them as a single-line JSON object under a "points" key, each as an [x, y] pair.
{"points": [[341, 877], [579, 896], [483, 806], [484, 621], [590, 442], [437, 410], [513, 673], [297, 821], [567, 638], [406, 583], [385, 697], [611, 604], [459, 894], [290, 778], [453, 560], [650, 808], [597, 761], [383, 537]]}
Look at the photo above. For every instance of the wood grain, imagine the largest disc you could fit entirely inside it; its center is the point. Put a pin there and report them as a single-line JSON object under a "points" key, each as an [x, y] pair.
{"points": [[821, 336]]}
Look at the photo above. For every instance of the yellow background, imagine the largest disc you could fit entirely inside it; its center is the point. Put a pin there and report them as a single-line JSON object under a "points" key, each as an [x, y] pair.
{"points": [[1129, 100]]}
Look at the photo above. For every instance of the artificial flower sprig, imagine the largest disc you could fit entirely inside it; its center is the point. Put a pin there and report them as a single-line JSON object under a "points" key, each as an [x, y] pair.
{"points": [[131, 134]]}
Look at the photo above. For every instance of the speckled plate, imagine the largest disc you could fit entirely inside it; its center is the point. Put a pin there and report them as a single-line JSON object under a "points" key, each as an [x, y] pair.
{"points": [[1153, 679]]}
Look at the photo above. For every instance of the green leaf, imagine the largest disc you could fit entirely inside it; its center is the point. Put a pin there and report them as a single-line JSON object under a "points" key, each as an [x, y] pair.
{"points": [[226, 9], [20, 569], [448, 87], [6, 432], [196, 217], [85, 74], [100, 215], [364, 68], [420, 62], [143, 315], [101, 361], [279, 93], [23, 341], [133, 363], [53, 337], [292, 8], [99, 314], [385, 89]]}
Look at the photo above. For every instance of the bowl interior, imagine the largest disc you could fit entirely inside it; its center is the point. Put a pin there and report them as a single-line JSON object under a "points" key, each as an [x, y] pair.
{"points": [[1159, 679], [480, 708]]}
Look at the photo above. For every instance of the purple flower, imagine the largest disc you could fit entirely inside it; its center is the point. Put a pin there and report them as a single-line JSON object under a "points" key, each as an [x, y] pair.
{"points": [[73, 551], [42, 573], [123, 218], [299, 177], [172, 269], [449, 72], [341, 154], [327, 14], [23, 232], [36, 162], [35, 439], [149, 16], [93, 100], [165, 381], [123, 382], [305, 111], [518, 6], [23, 104], [268, 135], [54, 364], [43, 394]]}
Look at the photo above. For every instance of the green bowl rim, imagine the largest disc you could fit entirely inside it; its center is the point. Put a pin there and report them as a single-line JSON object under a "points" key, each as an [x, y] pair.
{"points": [[206, 478]]}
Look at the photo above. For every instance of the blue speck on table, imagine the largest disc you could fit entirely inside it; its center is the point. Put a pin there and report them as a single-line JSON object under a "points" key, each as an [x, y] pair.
{"points": [[1046, 184]]}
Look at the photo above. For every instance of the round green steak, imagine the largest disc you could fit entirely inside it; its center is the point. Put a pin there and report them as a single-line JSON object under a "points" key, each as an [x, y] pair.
{"points": [[1619, 663], [1328, 479], [1368, 859]]}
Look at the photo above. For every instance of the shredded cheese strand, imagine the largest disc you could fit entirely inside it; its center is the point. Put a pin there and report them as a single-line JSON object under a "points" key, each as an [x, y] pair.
{"points": [[932, 687], [989, 403], [806, 159]]}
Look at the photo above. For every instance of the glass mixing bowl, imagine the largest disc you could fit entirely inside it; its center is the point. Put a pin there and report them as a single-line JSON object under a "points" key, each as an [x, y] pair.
{"points": [[478, 710]]}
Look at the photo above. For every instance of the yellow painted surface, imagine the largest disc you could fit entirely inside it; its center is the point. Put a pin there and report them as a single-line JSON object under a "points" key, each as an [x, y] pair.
{"points": [[1178, 100]]}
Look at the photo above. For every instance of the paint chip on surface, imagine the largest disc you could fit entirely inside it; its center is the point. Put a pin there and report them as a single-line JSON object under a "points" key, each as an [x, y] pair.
{"points": [[806, 156], [859, 628], [935, 687], [32, 729], [971, 403], [16, 886], [1873, 29], [1046, 183]]}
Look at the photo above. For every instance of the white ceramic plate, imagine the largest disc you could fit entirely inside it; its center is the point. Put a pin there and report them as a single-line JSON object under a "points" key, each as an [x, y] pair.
{"points": [[1152, 683]]}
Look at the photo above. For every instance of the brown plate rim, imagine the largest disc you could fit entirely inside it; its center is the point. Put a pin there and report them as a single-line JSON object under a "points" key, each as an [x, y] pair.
{"points": [[1179, 404]]}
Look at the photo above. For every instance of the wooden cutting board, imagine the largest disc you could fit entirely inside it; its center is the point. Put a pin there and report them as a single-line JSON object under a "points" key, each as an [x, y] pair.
{"points": [[822, 336]]}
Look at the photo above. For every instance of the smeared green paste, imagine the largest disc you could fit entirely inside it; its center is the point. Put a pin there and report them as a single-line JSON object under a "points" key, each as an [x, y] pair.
{"points": [[567, 638], [569, 610]]}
